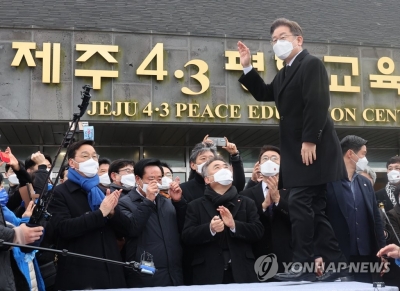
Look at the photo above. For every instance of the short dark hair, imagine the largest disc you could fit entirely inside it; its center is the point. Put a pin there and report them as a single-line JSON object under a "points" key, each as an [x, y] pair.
{"points": [[142, 164], [164, 164], [266, 148], [204, 170], [47, 157], [62, 171], [352, 142], [76, 146], [20, 163], [29, 163], [104, 161], [119, 164], [294, 27], [393, 160]]}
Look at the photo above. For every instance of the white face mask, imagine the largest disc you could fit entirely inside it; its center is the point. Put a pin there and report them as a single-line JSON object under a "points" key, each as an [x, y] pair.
{"points": [[128, 181], [200, 167], [269, 168], [165, 183], [105, 179], [283, 48], [223, 177], [13, 179], [361, 164], [51, 173], [89, 168], [143, 187], [394, 177]]}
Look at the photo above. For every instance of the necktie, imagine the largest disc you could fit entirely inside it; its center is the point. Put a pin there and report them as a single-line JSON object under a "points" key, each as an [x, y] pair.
{"points": [[287, 70], [269, 208]]}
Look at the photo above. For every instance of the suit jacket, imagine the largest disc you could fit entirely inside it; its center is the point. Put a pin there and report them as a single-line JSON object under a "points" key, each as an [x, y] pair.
{"points": [[382, 197], [302, 99], [208, 262], [336, 209], [153, 228], [277, 237], [394, 217]]}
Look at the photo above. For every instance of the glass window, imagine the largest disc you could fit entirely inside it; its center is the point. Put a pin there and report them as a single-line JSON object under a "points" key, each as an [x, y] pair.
{"points": [[249, 157], [115, 153], [173, 156], [22, 153]]}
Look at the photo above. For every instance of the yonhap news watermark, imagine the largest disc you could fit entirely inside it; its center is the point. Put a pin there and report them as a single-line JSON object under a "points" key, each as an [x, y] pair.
{"points": [[266, 267]]}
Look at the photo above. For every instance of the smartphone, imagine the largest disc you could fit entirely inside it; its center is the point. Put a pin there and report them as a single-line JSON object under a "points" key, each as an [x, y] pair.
{"points": [[218, 141], [4, 157]]}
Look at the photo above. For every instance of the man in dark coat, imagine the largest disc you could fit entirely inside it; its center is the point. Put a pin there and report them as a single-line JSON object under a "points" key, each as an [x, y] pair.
{"points": [[310, 149], [353, 211], [154, 227], [222, 227], [86, 222], [272, 207]]}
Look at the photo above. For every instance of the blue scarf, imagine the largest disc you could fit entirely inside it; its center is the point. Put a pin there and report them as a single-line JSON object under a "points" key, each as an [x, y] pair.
{"points": [[95, 195]]}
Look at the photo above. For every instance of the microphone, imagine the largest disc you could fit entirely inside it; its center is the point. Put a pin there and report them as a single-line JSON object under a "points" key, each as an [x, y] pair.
{"points": [[382, 208]]}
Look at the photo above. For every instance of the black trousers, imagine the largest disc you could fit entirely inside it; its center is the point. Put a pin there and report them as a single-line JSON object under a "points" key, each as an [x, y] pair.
{"points": [[312, 234]]}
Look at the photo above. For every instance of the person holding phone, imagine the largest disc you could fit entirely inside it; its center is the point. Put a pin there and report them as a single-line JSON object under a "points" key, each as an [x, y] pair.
{"points": [[201, 153]]}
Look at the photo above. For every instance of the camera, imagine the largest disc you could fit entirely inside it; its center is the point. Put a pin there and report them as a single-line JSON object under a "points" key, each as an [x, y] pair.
{"points": [[218, 141]]}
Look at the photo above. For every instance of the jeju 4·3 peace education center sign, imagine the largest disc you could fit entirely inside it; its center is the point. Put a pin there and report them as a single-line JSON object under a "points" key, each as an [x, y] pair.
{"points": [[174, 78]]}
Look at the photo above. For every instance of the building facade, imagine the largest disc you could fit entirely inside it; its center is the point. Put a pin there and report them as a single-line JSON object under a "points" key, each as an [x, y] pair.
{"points": [[167, 76]]}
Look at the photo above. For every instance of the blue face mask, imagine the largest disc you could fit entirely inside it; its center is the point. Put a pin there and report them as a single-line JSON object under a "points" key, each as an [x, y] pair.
{"points": [[3, 197]]}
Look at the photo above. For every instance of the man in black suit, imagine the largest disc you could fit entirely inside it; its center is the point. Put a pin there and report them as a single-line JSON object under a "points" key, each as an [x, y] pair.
{"points": [[272, 207], [386, 195], [310, 149], [221, 226], [353, 211]]}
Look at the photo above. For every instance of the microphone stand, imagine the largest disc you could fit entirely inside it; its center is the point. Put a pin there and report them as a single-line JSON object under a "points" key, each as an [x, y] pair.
{"points": [[40, 213], [382, 207], [142, 267]]}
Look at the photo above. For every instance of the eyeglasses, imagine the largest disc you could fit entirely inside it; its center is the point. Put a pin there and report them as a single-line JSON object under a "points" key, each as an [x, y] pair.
{"points": [[128, 171], [272, 158], [86, 157], [283, 37]]}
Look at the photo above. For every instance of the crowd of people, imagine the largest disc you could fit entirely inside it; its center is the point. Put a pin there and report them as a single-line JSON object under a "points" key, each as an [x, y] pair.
{"points": [[207, 230], [309, 201]]}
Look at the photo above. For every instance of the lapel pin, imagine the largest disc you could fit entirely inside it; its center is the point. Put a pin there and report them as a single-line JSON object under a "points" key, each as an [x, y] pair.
{"points": [[365, 185]]}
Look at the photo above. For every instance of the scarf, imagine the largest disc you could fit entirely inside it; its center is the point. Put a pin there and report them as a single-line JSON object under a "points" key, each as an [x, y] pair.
{"points": [[90, 185], [390, 192], [221, 200]]}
